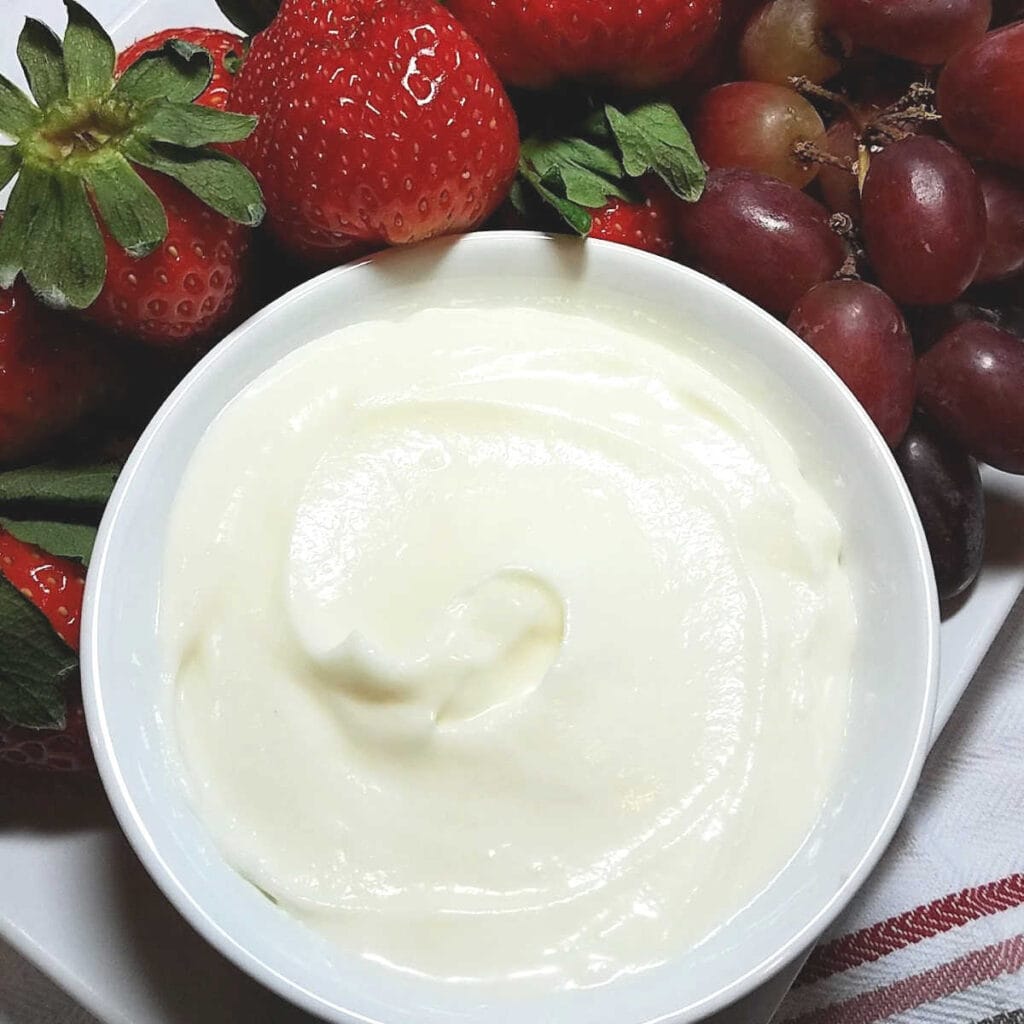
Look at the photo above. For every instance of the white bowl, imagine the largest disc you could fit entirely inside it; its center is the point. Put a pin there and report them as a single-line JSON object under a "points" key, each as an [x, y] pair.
{"points": [[895, 669]]}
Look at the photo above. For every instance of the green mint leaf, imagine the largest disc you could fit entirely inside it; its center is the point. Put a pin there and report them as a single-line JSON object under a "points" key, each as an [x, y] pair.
{"points": [[178, 72], [10, 161], [65, 258], [584, 173], [576, 216], [517, 197], [653, 138], [546, 153], [89, 55], [251, 16], [595, 126], [17, 112], [25, 207], [83, 489], [127, 205], [35, 664], [186, 125], [42, 59], [220, 181], [69, 540]]}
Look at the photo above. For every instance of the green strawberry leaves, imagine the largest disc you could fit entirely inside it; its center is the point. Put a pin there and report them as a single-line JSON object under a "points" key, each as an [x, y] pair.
{"points": [[42, 59], [582, 170], [17, 113], [67, 539], [35, 664], [128, 206], [10, 161], [178, 72], [73, 154], [89, 55], [83, 489], [54, 507], [186, 125]]}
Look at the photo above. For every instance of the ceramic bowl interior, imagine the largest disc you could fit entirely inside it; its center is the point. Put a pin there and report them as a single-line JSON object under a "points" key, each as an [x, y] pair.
{"points": [[895, 663]]}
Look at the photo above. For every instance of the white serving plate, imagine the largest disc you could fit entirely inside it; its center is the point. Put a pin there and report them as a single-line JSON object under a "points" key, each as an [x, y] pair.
{"points": [[73, 898]]}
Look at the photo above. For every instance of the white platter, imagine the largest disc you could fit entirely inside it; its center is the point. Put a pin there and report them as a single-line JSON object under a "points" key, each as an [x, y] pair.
{"points": [[76, 902]]}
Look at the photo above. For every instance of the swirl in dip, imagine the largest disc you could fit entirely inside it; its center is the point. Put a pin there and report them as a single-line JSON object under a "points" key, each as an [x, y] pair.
{"points": [[507, 646]]}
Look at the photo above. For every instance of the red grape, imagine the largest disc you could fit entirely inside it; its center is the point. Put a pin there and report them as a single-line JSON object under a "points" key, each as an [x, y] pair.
{"points": [[859, 331], [838, 187], [930, 324], [971, 383], [981, 97], [756, 125], [1004, 205], [946, 487], [918, 30], [784, 39], [923, 219], [766, 239]]}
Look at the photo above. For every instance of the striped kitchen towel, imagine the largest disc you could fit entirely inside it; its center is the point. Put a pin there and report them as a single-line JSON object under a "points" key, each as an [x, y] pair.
{"points": [[937, 934]]}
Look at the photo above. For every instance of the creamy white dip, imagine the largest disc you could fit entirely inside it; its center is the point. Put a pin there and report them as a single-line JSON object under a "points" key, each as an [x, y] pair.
{"points": [[507, 646]]}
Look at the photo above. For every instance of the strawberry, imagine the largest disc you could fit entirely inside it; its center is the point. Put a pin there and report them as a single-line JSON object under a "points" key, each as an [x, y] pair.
{"points": [[648, 224], [54, 586], [186, 290], [52, 375], [381, 123], [156, 254], [226, 49], [536, 43]]}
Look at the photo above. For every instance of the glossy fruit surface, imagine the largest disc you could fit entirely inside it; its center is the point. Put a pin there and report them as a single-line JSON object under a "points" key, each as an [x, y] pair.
{"points": [[186, 290], [923, 31], [971, 383], [859, 331], [381, 123], [537, 43], [53, 374], [649, 225], [923, 219], [946, 487], [756, 125], [786, 38], [838, 186], [768, 240], [981, 97], [1004, 207]]}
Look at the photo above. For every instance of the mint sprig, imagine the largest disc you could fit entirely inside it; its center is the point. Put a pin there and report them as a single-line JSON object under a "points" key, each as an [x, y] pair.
{"points": [[580, 171]]}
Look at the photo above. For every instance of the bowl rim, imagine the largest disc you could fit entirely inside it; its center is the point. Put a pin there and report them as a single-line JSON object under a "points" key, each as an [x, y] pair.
{"points": [[132, 820]]}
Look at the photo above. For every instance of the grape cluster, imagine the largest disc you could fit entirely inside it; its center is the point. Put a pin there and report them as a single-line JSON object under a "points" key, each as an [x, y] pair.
{"points": [[866, 184]]}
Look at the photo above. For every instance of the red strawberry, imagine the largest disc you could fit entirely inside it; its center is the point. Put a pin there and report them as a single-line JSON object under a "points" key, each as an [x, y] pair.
{"points": [[535, 43], [55, 586], [647, 225], [121, 206], [52, 375], [187, 290], [381, 123], [226, 49]]}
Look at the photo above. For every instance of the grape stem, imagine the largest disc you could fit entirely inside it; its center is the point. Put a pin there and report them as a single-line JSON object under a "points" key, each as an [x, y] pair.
{"points": [[842, 224], [807, 152], [803, 85]]}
